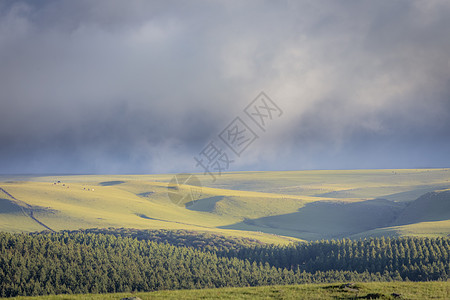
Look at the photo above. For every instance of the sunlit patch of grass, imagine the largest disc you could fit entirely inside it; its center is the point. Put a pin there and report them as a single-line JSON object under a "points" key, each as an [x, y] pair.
{"points": [[369, 290]]}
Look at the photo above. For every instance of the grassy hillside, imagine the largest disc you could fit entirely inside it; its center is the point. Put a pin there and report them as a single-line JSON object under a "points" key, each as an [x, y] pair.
{"points": [[433, 206], [429, 215], [329, 219], [77, 205], [372, 290], [275, 207]]}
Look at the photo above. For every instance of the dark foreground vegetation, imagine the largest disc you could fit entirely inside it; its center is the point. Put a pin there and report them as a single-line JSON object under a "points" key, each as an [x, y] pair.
{"points": [[127, 260]]}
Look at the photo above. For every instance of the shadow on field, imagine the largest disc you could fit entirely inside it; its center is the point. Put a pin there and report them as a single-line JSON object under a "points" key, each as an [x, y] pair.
{"points": [[109, 183], [205, 204], [329, 219]]}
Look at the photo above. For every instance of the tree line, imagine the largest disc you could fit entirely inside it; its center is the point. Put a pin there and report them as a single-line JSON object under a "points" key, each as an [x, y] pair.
{"points": [[407, 258], [106, 261], [206, 241]]}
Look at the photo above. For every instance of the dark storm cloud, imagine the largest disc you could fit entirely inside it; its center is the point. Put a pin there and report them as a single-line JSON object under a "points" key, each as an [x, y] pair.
{"points": [[140, 86]]}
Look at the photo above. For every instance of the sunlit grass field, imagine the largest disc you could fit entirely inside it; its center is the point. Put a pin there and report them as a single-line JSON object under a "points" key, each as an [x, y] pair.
{"points": [[371, 290], [274, 207]]}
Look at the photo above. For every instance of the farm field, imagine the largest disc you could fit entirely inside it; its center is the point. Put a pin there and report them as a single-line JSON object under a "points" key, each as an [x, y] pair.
{"points": [[273, 207]]}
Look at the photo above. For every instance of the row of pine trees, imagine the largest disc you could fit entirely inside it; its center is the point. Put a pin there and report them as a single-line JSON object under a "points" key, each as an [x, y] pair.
{"points": [[107, 262], [409, 258]]}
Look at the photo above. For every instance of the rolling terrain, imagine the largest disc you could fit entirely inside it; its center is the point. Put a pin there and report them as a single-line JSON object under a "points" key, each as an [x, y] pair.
{"points": [[273, 207]]}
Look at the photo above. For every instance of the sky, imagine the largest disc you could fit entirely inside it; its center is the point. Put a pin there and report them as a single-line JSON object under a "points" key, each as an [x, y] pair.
{"points": [[138, 87]]}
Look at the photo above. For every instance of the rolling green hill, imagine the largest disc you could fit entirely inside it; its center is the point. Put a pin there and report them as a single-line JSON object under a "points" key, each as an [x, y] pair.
{"points": [[433, 206], [274, 207]]}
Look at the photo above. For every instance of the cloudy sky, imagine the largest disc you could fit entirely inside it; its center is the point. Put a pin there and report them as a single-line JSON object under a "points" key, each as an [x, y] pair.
{"points": [[144, 86]]}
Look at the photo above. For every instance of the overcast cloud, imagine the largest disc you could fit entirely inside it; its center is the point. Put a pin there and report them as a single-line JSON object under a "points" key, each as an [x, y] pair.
{"points": [[142, 87]]}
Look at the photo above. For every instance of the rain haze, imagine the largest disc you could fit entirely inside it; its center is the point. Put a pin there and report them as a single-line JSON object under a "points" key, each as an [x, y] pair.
{"points": [[144, 86]]}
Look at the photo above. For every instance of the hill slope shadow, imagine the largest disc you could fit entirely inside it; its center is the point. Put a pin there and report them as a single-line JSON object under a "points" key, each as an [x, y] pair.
{"points": [[10, 207], [328, 219], [433, 206], [205, 204]]}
